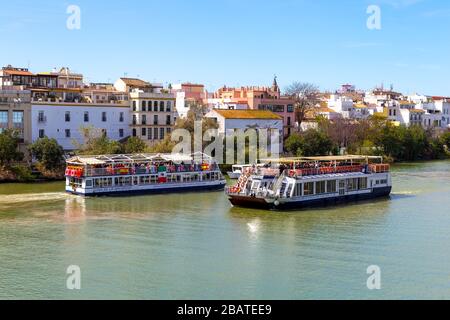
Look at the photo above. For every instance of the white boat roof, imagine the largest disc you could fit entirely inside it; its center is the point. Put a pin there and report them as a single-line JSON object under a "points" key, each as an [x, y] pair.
{"points": [[131, 158]]}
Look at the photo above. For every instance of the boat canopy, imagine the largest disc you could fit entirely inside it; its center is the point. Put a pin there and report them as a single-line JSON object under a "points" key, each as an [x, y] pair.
{"points": [[134, 158], [326, 159]]}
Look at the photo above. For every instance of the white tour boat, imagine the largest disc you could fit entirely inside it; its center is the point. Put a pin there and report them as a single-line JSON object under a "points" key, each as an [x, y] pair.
{"points": [[142, 174], [238, 169], [313, 181]]}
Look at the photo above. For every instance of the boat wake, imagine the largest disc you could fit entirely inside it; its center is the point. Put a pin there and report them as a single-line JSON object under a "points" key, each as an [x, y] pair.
{"points": [[32, 197]]}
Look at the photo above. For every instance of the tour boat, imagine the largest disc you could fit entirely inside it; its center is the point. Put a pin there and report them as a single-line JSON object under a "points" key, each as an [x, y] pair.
{"points": [[142, 174], [238, 169], [313, 181]]}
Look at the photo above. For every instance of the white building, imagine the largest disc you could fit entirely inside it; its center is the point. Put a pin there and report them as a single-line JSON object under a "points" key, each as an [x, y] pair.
{"points": [[233, 120], [340, 103], [63, 121]]}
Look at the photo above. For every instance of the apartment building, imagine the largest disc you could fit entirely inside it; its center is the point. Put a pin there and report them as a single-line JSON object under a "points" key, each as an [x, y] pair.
{"points": [[15, 112], [264, 99], [153, 114]]}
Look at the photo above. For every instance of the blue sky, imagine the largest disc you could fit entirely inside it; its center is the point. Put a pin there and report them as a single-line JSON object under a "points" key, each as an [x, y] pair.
{"points": [[236, 42]]}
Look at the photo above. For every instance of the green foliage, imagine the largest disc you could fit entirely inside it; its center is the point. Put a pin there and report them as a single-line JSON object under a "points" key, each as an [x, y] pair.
{"points": [[9, 142], [310, 143], [95, 142], [134, 145], [374, 136], [22, 173], [165, 146], [445, 138], [409, 143], [48, 153]]}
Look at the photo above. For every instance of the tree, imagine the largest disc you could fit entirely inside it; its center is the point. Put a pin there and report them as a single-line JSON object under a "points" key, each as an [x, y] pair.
{"points": [[312, 142], [9, 142], [134, 145], [96, 142], [306, 96], [48, 153]]}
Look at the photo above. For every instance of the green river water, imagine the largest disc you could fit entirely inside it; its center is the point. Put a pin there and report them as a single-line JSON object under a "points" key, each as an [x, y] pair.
{"points": [[197, 246]]}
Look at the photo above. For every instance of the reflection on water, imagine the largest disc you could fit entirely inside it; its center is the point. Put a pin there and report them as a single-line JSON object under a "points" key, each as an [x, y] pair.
{"points": [[197, 246]]}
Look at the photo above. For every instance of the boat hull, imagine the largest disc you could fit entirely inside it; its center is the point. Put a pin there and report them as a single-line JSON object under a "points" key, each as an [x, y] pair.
{"points": [[260, 203], [151, 191]]}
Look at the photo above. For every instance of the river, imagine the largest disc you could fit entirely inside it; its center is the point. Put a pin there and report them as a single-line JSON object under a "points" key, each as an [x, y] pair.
{"points": [[196, 246]]}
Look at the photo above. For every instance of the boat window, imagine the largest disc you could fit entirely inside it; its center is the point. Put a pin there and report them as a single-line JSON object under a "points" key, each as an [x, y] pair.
{"points": [[89, 183], [352, 184], [309, 188], [298, 190], [362, 183], [331, 186], [320, 187]]}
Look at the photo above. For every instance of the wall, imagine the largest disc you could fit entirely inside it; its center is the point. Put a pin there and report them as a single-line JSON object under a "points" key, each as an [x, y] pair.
{"points": [[55, 124]]}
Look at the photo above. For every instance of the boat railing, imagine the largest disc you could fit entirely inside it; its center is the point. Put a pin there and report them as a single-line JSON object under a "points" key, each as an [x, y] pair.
{"points": [[379, 168], [324, 170], [120, 171]]}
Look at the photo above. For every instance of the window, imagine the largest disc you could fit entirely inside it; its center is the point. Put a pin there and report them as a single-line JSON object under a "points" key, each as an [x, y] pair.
{"points": [[168, 120], [288, 121], [168, 130], [309, 188], [67, 133], [161, 133], [41, 133], [331, 186], [155, 105], [134, 105], [161, 106], [134, 132], [41, 116], [149, 132], [143, 132], [67, 116], [86, 116], [121, 117], [320, 187], [144, 105], [362, 183], [134, 119], [104, 116], [121, 133], [290, 108], [155, 133], [298, 190], [155, 119], [169, 106], [352, 184], [144, 120], [3, 120], [278, 108]]}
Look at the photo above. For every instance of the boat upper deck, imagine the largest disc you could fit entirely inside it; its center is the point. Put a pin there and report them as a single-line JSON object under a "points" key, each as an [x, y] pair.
{"points": [[117, 165]]}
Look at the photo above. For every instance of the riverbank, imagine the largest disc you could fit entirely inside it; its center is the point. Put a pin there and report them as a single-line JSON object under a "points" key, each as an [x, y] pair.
{"points": [[23, 173]]}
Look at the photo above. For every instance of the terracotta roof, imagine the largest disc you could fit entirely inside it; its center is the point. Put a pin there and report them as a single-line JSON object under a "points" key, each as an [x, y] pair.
{"points": [[248, 114], [417, 111], [326, 109], [133, 82], [17, 72]]}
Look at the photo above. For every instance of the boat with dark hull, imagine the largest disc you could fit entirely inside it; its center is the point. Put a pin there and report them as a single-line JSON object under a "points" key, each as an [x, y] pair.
{"points": [[123, 175], [313, 181]]}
